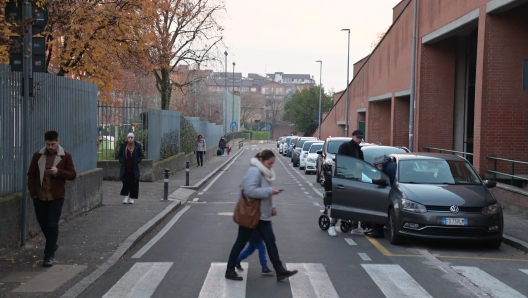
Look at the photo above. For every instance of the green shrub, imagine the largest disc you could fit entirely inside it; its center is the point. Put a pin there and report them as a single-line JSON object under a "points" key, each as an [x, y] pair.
{"points": [[260, 135], [169, 144], [187, 136]]}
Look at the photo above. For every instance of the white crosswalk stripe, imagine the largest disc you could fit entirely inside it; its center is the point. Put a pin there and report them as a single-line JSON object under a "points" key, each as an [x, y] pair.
{"points": [[524, 270], [311, 281], [216, 286], [140, 281], [395, 282], [488, 283]]}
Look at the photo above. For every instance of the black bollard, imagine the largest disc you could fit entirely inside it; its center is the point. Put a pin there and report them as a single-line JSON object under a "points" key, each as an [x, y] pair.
{"points": [[166, 185], [187, 173]]}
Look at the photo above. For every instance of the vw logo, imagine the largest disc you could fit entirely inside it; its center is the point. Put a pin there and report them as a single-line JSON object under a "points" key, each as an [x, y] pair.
{"points": [[454, 209]]}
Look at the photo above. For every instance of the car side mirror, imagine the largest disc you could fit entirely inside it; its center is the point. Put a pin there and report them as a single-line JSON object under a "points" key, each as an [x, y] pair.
{"points": [[319, 152], [490, 183], [381, 182]]}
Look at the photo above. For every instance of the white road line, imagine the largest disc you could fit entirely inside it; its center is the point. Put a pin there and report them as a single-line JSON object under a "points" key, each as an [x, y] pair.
{"points": [[313, 188], [165, 229], [307, 193], [488, 283], [364, 256], [140, 281], [312, 281], [395, 282], [196, 199], [215, 285], [350, 241], [218, 175], [200, 193], [524, 270], [316, 204], [302, 188], [300, 184]]}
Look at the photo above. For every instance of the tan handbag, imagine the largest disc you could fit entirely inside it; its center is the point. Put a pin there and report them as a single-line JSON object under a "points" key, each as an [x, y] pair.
{"points": [[247, 213]]}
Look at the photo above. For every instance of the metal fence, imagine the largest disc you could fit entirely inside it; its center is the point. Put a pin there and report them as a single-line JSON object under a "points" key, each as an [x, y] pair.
{"points": [[160, 125], [58, 103]]}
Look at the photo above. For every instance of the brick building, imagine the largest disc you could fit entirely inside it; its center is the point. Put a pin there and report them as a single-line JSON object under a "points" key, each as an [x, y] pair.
{"points": [[469, 95]]}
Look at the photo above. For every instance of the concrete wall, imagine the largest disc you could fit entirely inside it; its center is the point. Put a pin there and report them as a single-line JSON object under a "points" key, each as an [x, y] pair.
{"points": [[82, 194], [511, 196], [150, 171]]}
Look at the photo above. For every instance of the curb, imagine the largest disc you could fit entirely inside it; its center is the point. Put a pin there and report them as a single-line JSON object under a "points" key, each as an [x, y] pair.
{"points": [[213, 173], [514, 242]]}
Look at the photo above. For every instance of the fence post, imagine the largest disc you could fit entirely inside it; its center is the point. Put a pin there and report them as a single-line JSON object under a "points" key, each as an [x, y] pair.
{"points": [[187, 173], [166, 185], [495, 169], [512, 172]]}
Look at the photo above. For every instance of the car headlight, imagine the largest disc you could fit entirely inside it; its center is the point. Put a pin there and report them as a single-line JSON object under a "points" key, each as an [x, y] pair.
{"points": [[310, 160], [329, 161], [491, 209], [411, 206]]}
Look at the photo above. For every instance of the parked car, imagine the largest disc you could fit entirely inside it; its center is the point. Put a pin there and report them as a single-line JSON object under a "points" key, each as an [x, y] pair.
{"points": [[279, 141], [290, 145], [297, 149], [304, 152], [311, 157], [434, 196], [283, 145]]}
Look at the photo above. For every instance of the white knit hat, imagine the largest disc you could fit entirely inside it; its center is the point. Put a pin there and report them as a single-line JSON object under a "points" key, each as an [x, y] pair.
{"points": [[130, 135]]}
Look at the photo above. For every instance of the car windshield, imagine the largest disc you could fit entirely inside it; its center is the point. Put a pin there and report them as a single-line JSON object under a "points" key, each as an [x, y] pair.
{"points": [[300, 143], [307, 145], [333, 146], [437, 171], [287, 140], [315, 147], [370, 151]]}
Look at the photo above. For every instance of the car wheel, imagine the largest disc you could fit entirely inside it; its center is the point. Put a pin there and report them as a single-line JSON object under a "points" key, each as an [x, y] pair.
{"points": [[305, 172], [345, 226], [493, 244], [321, 179], [394, 238], [324, 222]]}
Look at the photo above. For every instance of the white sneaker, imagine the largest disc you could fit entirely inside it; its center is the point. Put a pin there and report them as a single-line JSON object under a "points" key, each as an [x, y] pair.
{"points": [[125, 201], [357, 231], [131, 201], [332, 231]]}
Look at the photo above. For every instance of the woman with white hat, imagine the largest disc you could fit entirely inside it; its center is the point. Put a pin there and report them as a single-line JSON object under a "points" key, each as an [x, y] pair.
{"points": [[130, 155]]}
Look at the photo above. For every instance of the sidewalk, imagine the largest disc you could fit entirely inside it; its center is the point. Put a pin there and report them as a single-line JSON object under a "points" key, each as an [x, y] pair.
{"points": [[516, 228], [90, 243]]}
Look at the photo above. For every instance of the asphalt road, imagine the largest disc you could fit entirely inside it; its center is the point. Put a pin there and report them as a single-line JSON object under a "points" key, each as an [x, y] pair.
{"points": [[186, 255]]}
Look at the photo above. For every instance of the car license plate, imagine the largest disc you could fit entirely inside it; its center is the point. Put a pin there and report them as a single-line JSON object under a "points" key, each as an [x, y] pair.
{"points": [[446, 221]]}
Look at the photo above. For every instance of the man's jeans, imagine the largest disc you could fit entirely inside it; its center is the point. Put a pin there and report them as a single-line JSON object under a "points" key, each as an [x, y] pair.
{"points": [[266, 232], [250, 248], [48, 214]]}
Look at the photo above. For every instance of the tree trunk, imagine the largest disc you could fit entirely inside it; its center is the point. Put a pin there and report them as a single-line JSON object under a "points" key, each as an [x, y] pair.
{"points": [[165, 88]]}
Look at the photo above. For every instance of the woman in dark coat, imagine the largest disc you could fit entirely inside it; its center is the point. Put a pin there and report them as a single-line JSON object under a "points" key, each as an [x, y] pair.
{"points": [[222, 144], [130, 155]]}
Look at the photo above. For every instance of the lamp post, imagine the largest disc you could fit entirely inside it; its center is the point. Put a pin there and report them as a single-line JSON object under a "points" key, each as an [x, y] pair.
{"points": [[233, 110], [348, 71], [225, 93], [320, 88]]}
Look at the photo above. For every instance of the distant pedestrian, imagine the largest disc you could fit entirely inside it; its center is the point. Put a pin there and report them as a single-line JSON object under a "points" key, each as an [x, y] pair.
{"points": [[228, 149], [255, 242], [47, 174], [130, 155], [222, 144], [200, 148], [257, 186]]}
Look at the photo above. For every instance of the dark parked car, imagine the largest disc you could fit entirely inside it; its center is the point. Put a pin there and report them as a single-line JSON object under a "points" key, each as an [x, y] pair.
{"points": [[297, 147], [434, 196]]}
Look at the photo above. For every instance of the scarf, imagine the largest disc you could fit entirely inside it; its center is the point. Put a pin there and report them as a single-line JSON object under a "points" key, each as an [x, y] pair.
{"points": [[267, 173]]}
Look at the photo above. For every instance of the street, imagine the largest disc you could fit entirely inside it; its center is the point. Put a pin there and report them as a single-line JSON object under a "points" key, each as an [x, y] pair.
{"points": [[186, 255]]}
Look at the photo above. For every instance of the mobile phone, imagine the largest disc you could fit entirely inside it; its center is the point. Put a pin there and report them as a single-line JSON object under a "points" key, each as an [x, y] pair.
{"points": [[280, 190]]}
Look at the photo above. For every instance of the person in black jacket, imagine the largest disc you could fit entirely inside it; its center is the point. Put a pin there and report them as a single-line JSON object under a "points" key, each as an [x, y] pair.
{"points": [[130, 155], [222, 144], [351, 149]]}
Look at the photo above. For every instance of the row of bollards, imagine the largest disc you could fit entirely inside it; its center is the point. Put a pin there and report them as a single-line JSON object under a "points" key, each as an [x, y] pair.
{"points": [[166, 181]]}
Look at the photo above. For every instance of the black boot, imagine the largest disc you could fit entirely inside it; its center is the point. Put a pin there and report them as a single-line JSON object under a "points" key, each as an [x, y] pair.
{"points": [[283, 273], [232, 275], [47, 262]]}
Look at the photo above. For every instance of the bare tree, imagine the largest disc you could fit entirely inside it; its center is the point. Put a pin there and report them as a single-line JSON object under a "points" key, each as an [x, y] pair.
{"points": [[274, 111], [251, 106], [187, 32]]}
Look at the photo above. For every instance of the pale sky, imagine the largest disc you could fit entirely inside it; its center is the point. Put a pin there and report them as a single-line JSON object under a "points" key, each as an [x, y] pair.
{"points": [[267, 36]]}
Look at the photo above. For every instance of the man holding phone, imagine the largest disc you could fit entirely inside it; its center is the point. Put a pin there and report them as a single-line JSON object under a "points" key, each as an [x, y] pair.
{"points": [[48, 171]]}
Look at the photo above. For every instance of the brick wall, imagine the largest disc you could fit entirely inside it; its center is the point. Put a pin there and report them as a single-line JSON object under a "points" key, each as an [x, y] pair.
{"points": [[512, 196], [400, 121], [379, 120]]}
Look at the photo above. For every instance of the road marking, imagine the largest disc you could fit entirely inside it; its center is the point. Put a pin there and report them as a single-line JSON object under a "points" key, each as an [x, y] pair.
{"points": [[200, 193], [316, 204], [165, 229], [302, 188], [524, 270], [196, 199], [395, 282], [215, 285], [306, 193], [311, 281], [488, 283], [364, 256], [300, 184], [140, 281], [350, 241], [313, 188], [218, 175], [383, 250]]}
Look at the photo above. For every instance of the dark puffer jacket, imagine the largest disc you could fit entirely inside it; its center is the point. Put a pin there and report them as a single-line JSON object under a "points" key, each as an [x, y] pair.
{"points": [[137, 155]]}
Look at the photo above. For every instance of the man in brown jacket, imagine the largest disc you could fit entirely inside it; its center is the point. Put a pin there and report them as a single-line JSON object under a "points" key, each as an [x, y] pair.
{"points": [[49, 169]]}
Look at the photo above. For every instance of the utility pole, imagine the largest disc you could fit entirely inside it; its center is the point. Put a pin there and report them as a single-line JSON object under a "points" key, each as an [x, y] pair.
{"points": [[233, 110], [224, 105], [348, 82]]}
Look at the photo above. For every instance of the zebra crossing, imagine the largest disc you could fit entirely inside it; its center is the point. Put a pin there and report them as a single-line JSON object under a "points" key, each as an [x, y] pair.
{"points": [[313, 280]]}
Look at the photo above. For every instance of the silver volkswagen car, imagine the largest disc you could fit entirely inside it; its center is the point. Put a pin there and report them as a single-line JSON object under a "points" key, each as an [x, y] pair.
{"points": [[434, 196]]}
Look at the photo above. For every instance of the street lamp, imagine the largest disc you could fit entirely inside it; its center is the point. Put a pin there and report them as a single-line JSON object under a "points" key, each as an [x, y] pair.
{"points": [[348, 67], [233, 110], [225, 92], [320, 87]]}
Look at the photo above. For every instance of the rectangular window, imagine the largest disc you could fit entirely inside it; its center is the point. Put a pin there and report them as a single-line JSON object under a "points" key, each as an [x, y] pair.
{"points": [[525, 75]]}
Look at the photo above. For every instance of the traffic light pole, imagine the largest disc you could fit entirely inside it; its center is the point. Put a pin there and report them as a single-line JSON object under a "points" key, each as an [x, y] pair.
{"points": [[26, 74]]}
